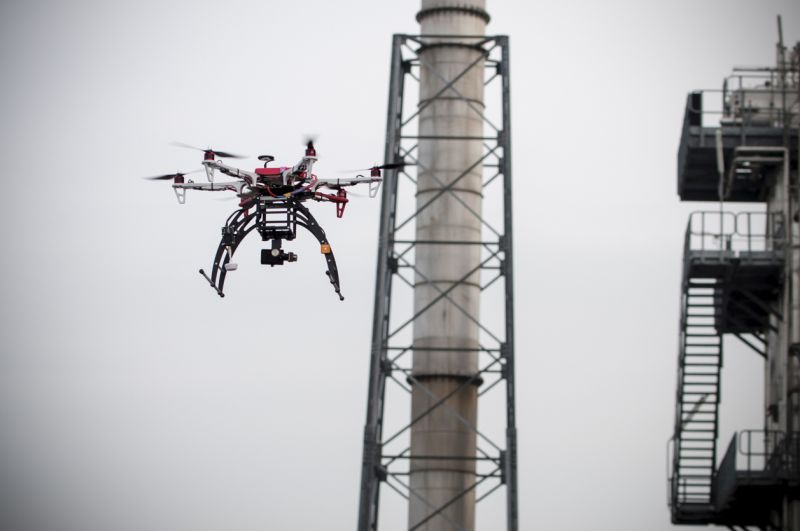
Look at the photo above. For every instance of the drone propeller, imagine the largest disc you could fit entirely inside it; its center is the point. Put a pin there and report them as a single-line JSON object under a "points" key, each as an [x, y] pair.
{"points": [[388, 166], [222, 154], [169, 176], [309, 140]]}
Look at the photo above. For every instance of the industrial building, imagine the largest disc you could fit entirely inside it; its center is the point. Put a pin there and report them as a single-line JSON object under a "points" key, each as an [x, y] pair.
{"points": [[741, 279]]}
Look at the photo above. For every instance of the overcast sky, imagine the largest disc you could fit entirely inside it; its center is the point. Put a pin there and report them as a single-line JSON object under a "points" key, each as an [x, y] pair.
{"points": [[132, 398]]}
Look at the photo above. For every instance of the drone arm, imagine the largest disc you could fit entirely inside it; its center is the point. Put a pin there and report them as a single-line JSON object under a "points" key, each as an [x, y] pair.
{"points": [[302, 169], [340, 199], [246, 176], [351, 181], [236, 186]]}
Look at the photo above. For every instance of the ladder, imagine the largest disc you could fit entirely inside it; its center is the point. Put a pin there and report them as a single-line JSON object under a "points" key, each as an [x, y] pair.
{"points": [[698, 397]]}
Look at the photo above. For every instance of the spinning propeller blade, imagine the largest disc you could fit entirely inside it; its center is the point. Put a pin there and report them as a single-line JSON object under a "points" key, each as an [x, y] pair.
{"points": [[169, 176], [389, 166], [222, 154]]}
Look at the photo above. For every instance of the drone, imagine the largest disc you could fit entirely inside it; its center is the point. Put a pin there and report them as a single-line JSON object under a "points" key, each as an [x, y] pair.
{"points": [[271, 201]]}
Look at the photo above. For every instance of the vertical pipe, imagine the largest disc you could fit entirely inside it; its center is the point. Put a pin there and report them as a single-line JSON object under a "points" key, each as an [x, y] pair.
{"points": [[445, 482]]}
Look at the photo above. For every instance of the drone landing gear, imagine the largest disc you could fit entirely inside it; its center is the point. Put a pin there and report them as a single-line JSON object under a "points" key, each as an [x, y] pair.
{"points": [[241, 222], [218, 290]]}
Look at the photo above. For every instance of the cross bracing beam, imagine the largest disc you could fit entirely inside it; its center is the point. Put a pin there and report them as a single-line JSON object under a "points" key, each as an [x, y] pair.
{"points": [[387, 456]]}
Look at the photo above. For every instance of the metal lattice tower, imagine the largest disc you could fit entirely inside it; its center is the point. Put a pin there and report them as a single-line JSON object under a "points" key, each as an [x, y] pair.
{"points": [[393, 456]]}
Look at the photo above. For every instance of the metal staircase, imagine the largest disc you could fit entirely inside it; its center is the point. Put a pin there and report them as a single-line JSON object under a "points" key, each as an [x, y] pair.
{"points": [[698, 396], [732, 270]]}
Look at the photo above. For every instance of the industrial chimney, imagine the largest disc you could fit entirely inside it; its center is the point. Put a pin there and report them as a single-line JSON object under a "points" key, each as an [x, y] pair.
{"points": [[443, 447]]}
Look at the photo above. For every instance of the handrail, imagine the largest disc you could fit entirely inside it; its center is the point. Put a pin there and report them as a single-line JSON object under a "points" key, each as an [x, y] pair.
{"points": [[734, 231], [749, 98], [773, 452]]}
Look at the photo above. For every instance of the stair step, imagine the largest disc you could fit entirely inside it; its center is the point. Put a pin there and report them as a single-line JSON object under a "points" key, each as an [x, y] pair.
{"points": [[711, 396], [702, 345]]}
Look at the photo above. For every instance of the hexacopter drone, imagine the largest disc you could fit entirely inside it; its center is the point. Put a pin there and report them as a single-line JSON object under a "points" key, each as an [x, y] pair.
{"points": [[271, 202]]}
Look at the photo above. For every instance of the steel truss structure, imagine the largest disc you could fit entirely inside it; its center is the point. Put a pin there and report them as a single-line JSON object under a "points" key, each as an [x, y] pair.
{"points": [[386, 456]]}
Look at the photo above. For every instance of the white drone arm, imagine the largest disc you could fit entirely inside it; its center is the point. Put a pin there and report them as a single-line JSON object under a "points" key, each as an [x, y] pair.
{"points": [[305, 165], [235, 186], [212, 165], [180, 188], [374, 183]]}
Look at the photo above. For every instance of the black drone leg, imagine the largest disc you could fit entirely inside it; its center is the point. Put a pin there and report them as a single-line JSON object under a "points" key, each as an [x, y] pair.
{"points": [[236, 228], [218, 290], [308, 221]]}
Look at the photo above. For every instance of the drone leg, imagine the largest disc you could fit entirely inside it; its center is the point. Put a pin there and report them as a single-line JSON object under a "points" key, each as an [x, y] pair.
{"points": [[180, 193], [218, 290], [236, 228], [308, 221]]}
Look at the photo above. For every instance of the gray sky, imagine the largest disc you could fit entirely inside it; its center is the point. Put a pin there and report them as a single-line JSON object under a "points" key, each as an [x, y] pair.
{"points": [[131, 397]]}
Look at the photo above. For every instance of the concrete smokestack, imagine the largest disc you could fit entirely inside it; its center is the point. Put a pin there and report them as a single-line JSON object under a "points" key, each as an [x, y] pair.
{"points": [[445, 338]]}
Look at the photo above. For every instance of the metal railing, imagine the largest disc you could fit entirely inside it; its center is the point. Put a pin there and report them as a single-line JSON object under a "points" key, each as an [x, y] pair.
{"points": [[769, 457], [682, 490], [749, 97], [734, 233], [769, 453]]}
